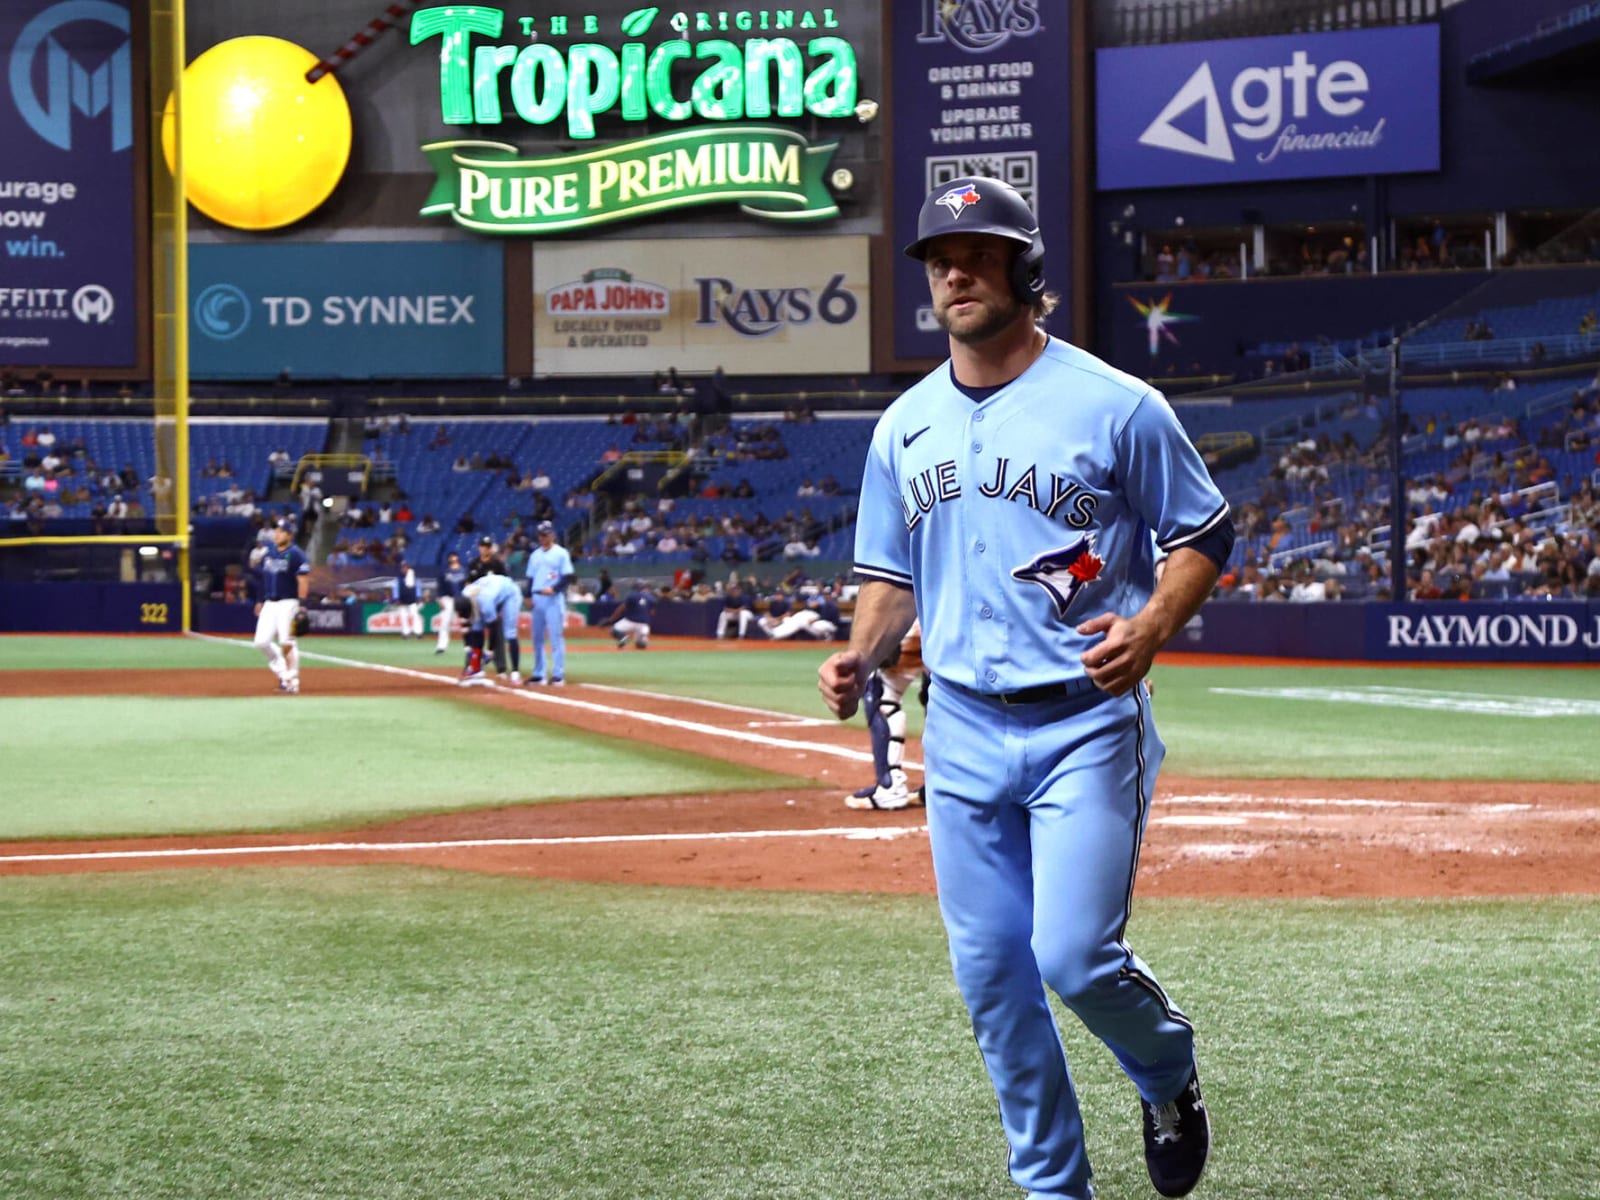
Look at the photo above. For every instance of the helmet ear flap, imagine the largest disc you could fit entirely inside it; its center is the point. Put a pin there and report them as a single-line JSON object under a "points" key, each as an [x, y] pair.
{"points": [[1027, 272]]}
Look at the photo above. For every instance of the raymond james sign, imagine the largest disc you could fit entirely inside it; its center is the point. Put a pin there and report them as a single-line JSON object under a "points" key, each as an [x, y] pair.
{"points": [[730, 77], [1358, 103]]}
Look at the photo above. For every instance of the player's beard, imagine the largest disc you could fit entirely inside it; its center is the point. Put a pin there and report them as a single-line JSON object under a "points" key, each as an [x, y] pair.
{"points": [[974, 330]]}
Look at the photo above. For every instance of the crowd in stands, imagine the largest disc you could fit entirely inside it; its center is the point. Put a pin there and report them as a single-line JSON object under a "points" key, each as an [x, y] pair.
{"points": [[646, 524], [1496, 520], [48, 477]]}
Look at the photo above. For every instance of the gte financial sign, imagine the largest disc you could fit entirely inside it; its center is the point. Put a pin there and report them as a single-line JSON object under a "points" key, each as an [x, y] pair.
{"points": [[1359, 103], [721, 74]]}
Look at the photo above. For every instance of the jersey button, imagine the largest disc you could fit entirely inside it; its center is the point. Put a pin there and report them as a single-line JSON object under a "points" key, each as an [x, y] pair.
{"points": [[990, 676], [986, 612], [980, 547], [977, 447], [978, 417]]}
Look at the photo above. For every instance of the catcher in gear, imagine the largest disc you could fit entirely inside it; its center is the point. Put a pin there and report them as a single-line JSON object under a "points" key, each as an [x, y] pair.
{"points": [[886, 722]]}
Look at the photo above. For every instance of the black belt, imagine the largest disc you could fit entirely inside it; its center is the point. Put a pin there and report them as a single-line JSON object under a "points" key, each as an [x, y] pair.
{"points": [[1038, 695]]}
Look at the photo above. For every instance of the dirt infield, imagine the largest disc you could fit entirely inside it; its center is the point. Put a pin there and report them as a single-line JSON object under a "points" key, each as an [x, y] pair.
{"points": [[1207, 837]]}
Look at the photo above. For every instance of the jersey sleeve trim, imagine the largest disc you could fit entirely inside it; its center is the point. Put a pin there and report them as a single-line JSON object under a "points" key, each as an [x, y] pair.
{"points": [[884, 575], [1176, 543]]}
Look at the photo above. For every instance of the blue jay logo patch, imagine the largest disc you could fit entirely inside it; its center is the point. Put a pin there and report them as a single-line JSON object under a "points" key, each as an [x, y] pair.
{"points": [[1063, 572], [959, 199]]}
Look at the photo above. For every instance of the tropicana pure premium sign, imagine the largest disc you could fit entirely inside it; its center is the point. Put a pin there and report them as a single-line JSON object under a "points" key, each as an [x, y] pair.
{"points": [[722, 74]]}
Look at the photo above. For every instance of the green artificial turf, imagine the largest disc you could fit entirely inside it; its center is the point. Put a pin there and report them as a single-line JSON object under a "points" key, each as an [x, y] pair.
{"points": [[1208, 732], [1211, 732], [396, 1032], [112, 765]]}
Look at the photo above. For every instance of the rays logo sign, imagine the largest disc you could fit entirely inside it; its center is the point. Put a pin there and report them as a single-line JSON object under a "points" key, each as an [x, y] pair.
{"points": [[1359, 103]]}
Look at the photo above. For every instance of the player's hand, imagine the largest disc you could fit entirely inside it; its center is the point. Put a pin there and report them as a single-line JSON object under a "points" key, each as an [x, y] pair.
{"points": [[258, 608], [841, 680], [1117, 663]]}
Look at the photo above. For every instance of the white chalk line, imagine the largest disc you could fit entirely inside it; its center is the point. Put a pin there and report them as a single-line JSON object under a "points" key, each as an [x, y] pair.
{"points": [[1335, 802], [548, 696], [854, 832]]}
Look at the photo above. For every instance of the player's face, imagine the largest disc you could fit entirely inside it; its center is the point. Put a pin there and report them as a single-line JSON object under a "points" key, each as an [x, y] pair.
{"points": [[281, 538], [968, 279]]}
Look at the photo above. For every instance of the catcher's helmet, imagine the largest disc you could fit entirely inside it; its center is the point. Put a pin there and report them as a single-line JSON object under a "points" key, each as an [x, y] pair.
{"points": [[978, 205]]}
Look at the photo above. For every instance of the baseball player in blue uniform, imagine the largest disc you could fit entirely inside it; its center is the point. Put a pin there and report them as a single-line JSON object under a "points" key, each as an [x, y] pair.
{"points": [[451, 580], [282, 577], [1008, 501], [493, 604], [738, 608], [632, 622], [549, 575]]}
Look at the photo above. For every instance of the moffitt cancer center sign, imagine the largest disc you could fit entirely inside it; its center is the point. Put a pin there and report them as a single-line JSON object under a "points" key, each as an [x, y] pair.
{"points": [[720, 69]]}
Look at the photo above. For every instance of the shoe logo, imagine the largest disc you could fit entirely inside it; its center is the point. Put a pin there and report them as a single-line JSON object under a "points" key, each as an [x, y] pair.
{"points": [[907, 439]]}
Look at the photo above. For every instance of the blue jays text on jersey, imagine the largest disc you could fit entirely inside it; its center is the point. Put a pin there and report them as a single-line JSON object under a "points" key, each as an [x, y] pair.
{"points": [[1018, 516], [279, 572]]}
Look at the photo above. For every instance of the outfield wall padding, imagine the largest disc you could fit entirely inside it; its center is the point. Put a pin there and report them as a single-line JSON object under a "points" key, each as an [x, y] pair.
{"points": [[91, 608]]}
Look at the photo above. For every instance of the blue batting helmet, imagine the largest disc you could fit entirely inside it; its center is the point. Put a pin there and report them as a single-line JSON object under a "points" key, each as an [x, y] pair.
{"points": [[978, 205]]}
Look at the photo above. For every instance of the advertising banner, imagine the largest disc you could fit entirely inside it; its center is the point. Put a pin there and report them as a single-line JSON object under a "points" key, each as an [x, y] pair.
{"points": [[1513, 631], [769, 306], [980, 88], [1364, 102], [68, 279], [346, 310]]}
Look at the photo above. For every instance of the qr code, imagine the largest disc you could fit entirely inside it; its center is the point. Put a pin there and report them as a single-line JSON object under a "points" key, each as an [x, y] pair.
{"points": [[1020, 170]]}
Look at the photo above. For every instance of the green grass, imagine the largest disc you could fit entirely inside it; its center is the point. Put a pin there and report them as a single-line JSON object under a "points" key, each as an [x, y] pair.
{"points": [[1257, 737], [382, 1032], [109, 765]]}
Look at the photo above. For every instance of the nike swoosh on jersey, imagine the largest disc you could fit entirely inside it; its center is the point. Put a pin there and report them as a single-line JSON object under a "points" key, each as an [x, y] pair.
{"points": [[907, 438]]}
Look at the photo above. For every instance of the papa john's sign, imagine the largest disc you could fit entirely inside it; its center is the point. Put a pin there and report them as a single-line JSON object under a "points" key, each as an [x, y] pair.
{"points": [[731, 77]]}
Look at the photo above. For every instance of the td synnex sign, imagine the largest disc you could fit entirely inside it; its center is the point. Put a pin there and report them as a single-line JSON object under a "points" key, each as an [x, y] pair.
{"points": [[713, 68], [346, 310], [1269, 108]]}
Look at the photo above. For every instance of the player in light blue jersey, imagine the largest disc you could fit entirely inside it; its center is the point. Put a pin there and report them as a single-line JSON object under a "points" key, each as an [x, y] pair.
{"points": [[493, 604], [549, 575], [1009, 501]]}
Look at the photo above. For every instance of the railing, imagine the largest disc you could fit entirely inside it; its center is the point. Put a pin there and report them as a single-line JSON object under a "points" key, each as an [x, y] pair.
{"points": [[1278, 557], [637, 458], [319, 463], [1125, 23], [1555, 347]]}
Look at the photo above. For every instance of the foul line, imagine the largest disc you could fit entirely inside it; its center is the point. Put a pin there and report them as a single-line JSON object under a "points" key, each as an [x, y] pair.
{"points": [[547, 697], [846, 831]]}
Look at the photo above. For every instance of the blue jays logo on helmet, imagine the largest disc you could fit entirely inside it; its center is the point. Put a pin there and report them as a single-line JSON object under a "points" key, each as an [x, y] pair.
{"points": [[959, 199], [1063, 572]]}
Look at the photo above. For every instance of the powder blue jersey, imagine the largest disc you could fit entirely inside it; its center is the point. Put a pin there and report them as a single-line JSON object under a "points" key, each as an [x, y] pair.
{"points": [[279, 572], [497, 596], [1019, 517], [547, 568]]}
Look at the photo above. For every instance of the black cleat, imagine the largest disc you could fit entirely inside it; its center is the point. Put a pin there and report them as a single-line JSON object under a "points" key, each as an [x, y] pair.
{"points": [[1177, 1140]]}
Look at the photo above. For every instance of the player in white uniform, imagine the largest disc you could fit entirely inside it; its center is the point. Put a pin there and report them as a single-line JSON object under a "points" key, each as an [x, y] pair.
{"points": [[283, 576], [1008, 500]]}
